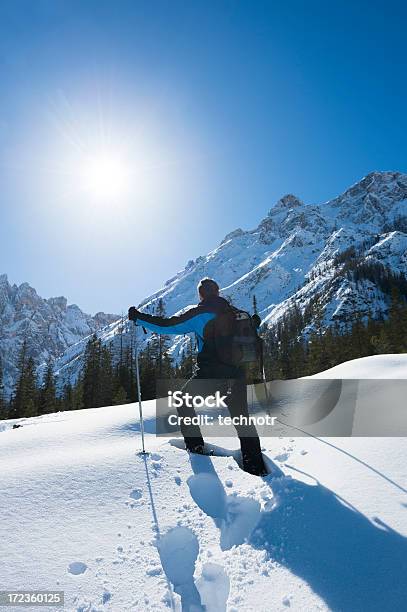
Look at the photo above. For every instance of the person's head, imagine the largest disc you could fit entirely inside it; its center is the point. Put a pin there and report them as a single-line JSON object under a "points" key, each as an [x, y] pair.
{"points": [[207, 287]]}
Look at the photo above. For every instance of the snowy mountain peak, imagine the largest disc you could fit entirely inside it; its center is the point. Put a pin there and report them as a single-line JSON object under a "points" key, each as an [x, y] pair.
{"points": [[289, 201], [58, 302], [231, 235], [387, 186], [50, 326]]}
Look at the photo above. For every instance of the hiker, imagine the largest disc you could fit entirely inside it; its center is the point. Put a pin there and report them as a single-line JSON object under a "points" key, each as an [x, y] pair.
{"points": [[211, 320]]}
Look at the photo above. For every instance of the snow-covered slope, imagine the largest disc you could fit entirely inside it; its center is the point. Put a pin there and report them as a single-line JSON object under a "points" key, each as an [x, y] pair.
{"points": [[50, 326], [374, 367], [295, 240], [290, 257], [82, 511]]}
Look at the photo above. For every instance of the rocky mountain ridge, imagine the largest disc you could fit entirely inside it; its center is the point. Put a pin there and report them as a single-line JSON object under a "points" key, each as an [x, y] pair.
{"points": [[291, 257], [50, 326]]}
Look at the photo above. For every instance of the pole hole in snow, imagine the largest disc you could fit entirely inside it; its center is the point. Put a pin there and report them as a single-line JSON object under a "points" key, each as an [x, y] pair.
{"points": [[77, 567]]}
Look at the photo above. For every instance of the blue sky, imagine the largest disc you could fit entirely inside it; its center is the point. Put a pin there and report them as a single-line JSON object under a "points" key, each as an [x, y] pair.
{"points": [[219, 109]]}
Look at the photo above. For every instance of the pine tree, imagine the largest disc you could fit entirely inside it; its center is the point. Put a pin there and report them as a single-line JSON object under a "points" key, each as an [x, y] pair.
{"points": [[106, 377], [120, 332], [30, 405], [122, 378], [255, 311], [148, 374], [358, 336], [1, 386], [3, 402], [91, 373], [99, 379], [24, 403], [396, 331], [47, 395], [159, 346], [17, 400], [186, 365], [77, 395], [67, 397], [131, 372], [120, 396]]}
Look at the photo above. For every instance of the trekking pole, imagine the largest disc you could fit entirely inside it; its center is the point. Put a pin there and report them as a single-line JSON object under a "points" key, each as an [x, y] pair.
{"points": [[140, 406]]}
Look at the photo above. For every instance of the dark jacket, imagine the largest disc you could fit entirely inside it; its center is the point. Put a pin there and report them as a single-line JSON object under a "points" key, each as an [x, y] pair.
{"points": [[198, 319]]}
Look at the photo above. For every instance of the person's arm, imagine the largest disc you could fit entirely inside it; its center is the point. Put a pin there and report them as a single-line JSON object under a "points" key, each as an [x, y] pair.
{"points": [[193, 320]]}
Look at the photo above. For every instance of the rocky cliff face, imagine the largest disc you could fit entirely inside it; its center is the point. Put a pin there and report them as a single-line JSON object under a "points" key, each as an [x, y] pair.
{"points": [[50, 326], [296, 242]]}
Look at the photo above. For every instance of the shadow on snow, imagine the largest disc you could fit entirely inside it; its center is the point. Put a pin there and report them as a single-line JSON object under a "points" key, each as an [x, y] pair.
{"points": [[351, 562]]}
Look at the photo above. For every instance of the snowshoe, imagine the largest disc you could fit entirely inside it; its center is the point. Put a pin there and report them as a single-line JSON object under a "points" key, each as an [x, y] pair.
{"points": [[254, 465]]}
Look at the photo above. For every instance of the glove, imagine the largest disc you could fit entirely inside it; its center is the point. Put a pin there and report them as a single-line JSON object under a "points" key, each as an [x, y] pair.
{"points": [[133, 313]]}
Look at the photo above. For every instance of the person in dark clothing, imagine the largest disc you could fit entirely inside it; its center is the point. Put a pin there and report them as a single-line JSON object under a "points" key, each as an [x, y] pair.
{"points": [[201, 320]]}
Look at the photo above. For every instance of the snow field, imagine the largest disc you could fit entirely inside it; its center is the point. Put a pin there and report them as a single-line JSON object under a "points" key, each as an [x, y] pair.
{"points": [[83, 511]]}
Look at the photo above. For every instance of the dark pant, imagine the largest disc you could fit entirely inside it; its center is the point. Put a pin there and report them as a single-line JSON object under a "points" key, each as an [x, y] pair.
{"points": [[224, 378]]}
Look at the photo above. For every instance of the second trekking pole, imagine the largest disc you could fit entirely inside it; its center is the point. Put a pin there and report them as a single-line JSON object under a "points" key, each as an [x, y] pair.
{"points": [[140, 406]]}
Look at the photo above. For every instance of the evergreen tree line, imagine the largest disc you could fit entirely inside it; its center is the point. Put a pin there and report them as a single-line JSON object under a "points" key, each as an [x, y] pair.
{"points": [[289, 353], [109, 378], [29, 399], [351, 264]]}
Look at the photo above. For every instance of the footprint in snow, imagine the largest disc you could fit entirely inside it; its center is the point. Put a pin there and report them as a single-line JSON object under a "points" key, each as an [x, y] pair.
{"points": [[77, 567], [136, 494], [213, 587], [156, 461], [178, 551], [155, 457], [235, 517], [282, 457]]}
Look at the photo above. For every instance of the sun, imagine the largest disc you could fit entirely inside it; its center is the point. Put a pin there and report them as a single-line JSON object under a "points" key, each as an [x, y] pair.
{"points": [[105, 176]]}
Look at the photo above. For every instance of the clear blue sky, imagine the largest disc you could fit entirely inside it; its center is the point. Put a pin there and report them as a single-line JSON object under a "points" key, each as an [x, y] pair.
{"points": [[219, 108]]}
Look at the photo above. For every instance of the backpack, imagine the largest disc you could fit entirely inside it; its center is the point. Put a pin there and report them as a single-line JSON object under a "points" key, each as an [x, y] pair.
{"points": [[236, 340]]}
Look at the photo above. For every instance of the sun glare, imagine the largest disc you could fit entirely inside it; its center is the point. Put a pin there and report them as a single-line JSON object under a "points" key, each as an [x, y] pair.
{"points": [[105, 176]]}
